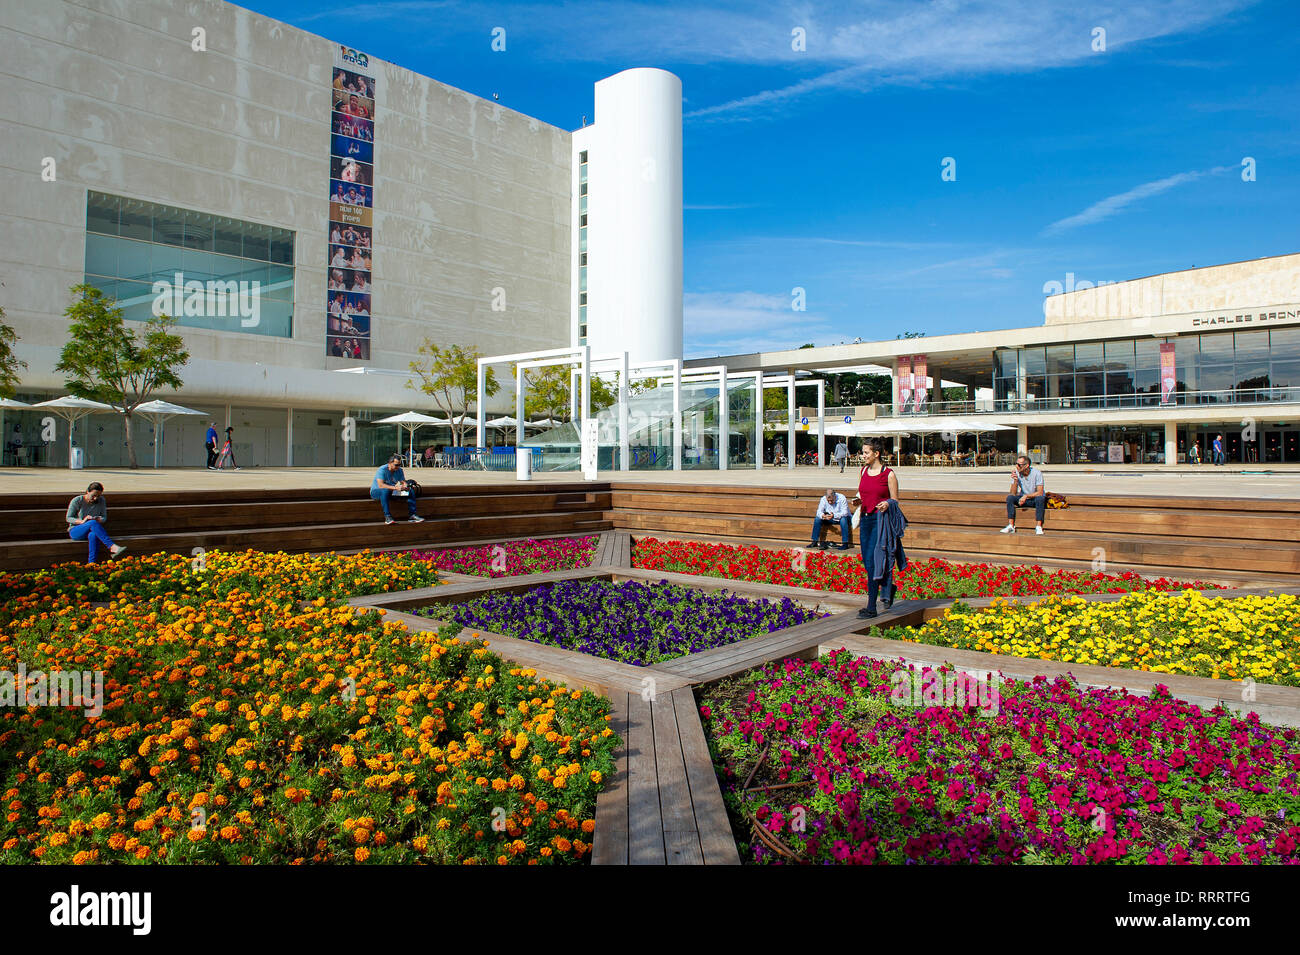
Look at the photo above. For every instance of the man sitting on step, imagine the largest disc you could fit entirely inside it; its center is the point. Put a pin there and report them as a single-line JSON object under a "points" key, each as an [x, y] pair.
{"points": [[1027, 490], [833, 507], [390, 480]]}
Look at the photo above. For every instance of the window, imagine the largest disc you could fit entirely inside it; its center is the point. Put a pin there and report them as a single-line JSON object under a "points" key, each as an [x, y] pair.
{"points": [[237, 276], [582, 188], [582, 157], [582, 258]]}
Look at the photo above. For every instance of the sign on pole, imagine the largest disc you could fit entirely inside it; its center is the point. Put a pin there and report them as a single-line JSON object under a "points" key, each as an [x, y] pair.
{"points": [[590, 448]]}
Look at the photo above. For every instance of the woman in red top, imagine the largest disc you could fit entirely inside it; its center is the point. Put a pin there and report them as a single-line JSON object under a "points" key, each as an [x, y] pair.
{"points": [[876, 486]]}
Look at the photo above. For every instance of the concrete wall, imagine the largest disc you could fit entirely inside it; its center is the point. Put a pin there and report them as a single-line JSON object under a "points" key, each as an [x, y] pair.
{"points": [[1258, 282], [470, 196]]}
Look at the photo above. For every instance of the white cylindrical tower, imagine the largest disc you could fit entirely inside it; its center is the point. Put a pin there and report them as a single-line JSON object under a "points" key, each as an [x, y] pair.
{"points": [[634, 208]]}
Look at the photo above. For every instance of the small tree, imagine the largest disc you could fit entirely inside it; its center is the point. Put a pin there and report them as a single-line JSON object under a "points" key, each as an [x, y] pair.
{"points": [[9, 362], [450, 377], [105, 361], [547, 392]]}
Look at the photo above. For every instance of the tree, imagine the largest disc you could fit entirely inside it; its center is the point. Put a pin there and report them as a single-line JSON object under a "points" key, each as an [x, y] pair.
{"points": [[9, 362], [105, 361], [450, 377], [547, 392]]}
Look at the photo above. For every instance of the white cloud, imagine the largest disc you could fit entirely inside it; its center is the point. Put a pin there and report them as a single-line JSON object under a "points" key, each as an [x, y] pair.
{"points": [[1112, 205]]}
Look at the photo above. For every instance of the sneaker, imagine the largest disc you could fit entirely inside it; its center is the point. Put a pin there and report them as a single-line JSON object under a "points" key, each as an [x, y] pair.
{"points": [[866, 613], [1038, 531], [845, 546], [823, 546], [211, 468], [417, 519], [388, 520], [1009, 529], [886, 604], [117, 549]]}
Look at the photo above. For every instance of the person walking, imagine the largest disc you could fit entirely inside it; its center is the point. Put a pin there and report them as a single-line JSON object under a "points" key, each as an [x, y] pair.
{"points": [[227, 452], [87, 515], [1194, 453], [841, 454], [877, 486], [210, 442], [1218, 451]]}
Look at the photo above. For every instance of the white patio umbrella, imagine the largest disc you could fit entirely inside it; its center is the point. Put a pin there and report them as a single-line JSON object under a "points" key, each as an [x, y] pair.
{"points": [[9, 403], [410, 421], [73, 409], [159, 411], [544, 423]]}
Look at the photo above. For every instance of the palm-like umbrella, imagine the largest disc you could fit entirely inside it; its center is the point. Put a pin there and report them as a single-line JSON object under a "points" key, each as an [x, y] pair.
{"points": [[9, 403], [159, 411], [411, 421], [73, 409]]}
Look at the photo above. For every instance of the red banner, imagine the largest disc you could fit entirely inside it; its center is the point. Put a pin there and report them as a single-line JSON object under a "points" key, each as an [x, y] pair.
{"points": [[904, 384], [920, 384], [1168, 373]]}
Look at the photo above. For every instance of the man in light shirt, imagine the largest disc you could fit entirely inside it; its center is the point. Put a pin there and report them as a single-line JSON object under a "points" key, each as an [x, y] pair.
{"points": [[841, 454], [833, 507], [1027, 490]]}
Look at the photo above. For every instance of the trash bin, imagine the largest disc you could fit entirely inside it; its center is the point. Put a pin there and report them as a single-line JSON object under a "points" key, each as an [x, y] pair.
{"points": [[78, 460], [524, 464]]}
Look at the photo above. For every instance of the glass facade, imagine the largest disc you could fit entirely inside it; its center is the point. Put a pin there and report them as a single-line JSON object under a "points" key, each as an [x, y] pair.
{"points": [[1211, 368], [206, 271]]}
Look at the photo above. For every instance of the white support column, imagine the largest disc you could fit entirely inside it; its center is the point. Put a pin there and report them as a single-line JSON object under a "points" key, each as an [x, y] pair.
{"points": [[624, 439], [1022, 439], [519, 408], [347, 445], [1171, 442], [724, 420], [482, 405], [790, 421], [677, 415], [758, 421], [288, 433], [821, 422], [574, 377]]}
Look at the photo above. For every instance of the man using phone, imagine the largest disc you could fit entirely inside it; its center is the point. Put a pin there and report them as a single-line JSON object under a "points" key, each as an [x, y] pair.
{"points": [[1027, 490], [390, 479]]}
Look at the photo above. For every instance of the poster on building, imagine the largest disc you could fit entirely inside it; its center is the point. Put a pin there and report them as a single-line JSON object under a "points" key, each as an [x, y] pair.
{"points": [[920, 383], [1168, 373], [351, 204], [904, 384]]}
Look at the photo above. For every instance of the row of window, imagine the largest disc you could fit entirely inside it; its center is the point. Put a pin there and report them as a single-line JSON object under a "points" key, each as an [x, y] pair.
{"points": [[1264, 358], [186, 229], [582, 247]]}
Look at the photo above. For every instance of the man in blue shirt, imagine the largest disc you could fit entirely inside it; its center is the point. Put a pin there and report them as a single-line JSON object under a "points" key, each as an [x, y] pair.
{"points": [[1218, 450], [388, 480], [210, 442], [1027, 490], [833, 507]]}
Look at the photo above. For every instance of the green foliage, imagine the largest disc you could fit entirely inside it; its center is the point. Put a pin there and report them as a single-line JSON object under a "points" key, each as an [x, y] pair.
{"points": [[9, 362], [450, 377], [106, 361]]}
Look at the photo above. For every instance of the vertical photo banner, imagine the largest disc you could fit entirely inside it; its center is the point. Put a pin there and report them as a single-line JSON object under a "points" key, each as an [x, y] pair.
{"points": [[352, 201], [904, 384], [920, 389], [1168, 373]]}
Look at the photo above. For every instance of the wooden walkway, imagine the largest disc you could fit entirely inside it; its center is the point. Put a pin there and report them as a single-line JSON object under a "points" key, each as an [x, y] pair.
{"points": [[663, 804]]}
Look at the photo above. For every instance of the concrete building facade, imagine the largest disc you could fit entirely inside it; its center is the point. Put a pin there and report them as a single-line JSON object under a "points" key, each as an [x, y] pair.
{"points": [[154, 138]]}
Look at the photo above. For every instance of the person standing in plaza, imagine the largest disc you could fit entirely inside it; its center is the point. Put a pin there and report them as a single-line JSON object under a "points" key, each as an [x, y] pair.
{"points": [[1217, 447], [210, 442], [877, 486], [87, 515], [841, 454]]}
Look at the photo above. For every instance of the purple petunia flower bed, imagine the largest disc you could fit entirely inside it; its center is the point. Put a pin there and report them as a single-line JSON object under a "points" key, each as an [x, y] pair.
{"points": [[630, 622]]}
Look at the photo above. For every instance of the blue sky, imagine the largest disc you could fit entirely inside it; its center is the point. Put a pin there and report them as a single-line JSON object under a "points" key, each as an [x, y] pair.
{"points": [[821, 168]]}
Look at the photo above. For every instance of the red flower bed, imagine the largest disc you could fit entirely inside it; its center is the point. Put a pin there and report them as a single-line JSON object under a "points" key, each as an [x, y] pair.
{"points": [[843, 573]]}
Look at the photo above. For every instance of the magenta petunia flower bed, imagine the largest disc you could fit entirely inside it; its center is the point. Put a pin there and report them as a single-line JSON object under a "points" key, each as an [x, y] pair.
{"points": [[512, 558], [851, 770]]}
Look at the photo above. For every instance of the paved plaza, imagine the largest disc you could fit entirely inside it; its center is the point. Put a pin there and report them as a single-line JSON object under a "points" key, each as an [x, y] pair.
{"points": [[1274, 482]]}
